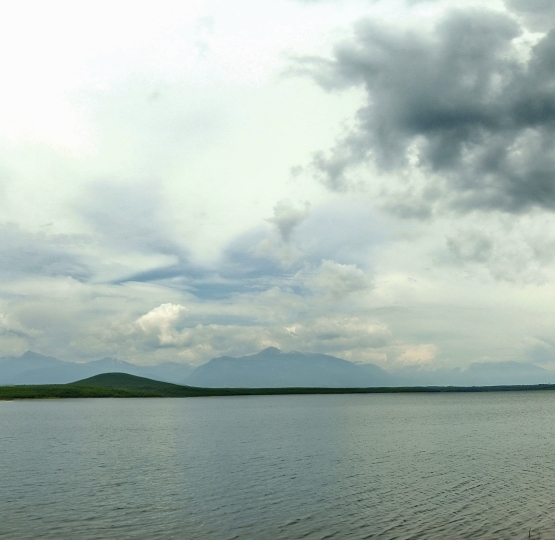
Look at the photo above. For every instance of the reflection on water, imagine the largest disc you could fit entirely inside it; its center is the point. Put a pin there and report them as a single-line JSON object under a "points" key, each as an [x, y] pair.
{"points": [[280, 467]]}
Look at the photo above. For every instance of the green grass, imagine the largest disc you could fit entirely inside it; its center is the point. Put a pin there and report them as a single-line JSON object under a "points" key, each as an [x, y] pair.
{"points": [[122, 385]]}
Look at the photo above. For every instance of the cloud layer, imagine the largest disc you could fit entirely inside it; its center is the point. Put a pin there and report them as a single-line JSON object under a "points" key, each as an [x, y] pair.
{"points": [[373, 180]]}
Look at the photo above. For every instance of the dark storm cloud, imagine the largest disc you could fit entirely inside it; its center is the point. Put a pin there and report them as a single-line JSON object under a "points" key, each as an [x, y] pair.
{"points": [[537, 14], [481, 120], [531, 6], [39, 254]]}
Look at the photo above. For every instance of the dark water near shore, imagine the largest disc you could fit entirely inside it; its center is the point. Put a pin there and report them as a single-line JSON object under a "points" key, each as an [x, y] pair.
{"points": [[434, 466]]}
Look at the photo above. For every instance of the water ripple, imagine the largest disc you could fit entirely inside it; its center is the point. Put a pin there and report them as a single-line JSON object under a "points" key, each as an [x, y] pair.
{"points": [[383, 467]]}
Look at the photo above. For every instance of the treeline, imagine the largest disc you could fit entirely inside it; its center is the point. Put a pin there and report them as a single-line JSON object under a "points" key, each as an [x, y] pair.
{"points": [[121, 385]]}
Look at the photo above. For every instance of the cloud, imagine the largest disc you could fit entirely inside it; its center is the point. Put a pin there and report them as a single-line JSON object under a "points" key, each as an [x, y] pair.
{"points": [[331, 243], [14, 335], [161, 322], [418, 354], [134, 234], [128, 216], [337, 280], [343, 334], [458, 106], [346, 231], [26, 253], [171, 330], [286, 217], [539, 15], [541, 351], [9, 325], [518, 249], [188, 189], [471, 246]]}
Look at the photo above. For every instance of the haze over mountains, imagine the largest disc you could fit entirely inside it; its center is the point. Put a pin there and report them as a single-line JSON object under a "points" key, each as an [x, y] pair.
{"points": [[271, 368], [34, 368]]}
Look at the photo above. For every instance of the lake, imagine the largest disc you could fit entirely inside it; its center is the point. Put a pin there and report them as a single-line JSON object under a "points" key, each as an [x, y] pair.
{"points": [[388, 466]]}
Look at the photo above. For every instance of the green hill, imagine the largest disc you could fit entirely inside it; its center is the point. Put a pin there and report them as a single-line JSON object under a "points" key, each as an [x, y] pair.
{"points": [[105, 385], [138, 384], [125, 385]]}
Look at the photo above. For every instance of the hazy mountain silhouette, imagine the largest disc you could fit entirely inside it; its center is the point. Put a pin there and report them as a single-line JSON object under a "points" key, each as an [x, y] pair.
{"points": [[272, 368], [34, 368], [478, 374]]}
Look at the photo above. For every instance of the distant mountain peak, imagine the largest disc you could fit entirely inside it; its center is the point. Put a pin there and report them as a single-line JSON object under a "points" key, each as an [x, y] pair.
{"points": [[112, 360], [31, 355], [272, 368], [270, 351]]}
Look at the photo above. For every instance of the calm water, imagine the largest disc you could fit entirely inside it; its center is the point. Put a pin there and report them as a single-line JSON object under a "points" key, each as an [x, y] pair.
{"points": [[280, 467]]}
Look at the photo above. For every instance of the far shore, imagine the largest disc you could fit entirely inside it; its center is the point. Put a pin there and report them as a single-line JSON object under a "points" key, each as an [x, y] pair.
{"points": [[121, 385]]}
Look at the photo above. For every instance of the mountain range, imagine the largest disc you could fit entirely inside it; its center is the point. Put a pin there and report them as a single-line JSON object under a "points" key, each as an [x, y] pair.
{"points": [[271, 368], [35, 368]]}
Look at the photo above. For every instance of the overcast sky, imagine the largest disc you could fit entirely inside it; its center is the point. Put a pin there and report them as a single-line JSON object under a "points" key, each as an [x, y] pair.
{"points": [[372, 180]]}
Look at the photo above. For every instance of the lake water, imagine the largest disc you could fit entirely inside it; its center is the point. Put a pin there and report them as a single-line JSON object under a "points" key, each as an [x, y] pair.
{"points": [[386, 466]]}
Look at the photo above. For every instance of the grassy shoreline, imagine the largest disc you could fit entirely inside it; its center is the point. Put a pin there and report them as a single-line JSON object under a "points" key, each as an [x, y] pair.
{"points": [[121, 385]]}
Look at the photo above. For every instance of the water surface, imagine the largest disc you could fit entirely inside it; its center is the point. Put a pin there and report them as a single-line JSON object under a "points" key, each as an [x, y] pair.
{"points": [[386, 466]]}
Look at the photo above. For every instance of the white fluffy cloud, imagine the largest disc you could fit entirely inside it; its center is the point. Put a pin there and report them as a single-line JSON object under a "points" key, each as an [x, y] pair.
{"points": [[161, 322]]}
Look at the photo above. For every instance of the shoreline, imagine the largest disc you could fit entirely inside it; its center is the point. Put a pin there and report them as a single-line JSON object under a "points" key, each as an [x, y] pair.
{"points": [[120, 385]]}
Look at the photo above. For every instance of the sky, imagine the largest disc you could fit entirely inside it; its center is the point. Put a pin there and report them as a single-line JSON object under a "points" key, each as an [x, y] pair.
{"points": [[369, 179]]}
